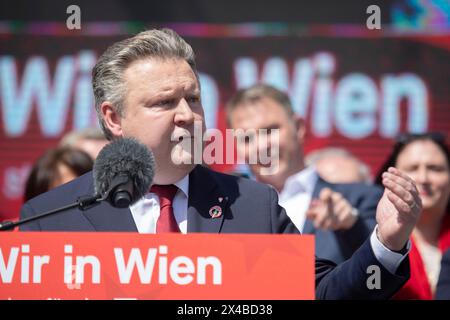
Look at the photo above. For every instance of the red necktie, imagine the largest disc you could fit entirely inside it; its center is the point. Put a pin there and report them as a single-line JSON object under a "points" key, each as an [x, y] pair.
{"points": [[166, 221]]}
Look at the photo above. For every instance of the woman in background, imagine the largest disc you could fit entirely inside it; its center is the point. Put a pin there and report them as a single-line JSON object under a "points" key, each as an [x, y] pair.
{"points": [[426, 159], [57, 166]]}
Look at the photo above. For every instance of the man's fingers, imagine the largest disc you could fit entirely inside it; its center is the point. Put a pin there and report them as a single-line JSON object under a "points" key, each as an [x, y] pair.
{"points": [[336, 197], [399, 204], [314, 207], [397, 172], [332, 210], [406, 193], [311, 214], [328, 224], [336, 222], [404, 180], [406, 210], [340, 207], [321, 219], [326, 194], [314, 203], [338, 204]]}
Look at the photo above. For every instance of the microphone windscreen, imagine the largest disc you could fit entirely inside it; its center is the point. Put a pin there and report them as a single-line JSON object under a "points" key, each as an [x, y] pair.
{"points": [[124, 156]]}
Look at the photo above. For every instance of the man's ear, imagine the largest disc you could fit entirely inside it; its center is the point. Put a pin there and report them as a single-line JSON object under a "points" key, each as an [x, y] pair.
{"points": [[112, 119], [300, 127]]}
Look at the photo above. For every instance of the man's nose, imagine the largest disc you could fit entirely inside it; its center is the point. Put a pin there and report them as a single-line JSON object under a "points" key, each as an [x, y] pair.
{"points": [[183, 114], [268, 140]]}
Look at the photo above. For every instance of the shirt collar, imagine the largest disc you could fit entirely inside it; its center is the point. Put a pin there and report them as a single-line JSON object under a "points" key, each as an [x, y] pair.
{"points": [[303, 181], [183, 185]]}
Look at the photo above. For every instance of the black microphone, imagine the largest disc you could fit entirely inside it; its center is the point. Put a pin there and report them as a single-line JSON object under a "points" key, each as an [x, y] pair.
{"points": [[123, 172]]}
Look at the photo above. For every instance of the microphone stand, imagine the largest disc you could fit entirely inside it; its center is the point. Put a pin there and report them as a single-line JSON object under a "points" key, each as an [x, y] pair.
{"points": [[83, 202]]}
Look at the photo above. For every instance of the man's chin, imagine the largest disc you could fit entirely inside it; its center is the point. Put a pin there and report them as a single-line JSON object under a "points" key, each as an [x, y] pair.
{"points": [[274, 170], [172, 174], [270, 175]]}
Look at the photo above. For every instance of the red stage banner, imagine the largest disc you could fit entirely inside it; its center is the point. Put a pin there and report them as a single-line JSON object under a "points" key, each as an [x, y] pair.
{"points": [[143, 266]]}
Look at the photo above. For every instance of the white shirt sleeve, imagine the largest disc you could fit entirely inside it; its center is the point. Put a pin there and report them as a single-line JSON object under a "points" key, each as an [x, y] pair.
{"points": [[389, 259]]}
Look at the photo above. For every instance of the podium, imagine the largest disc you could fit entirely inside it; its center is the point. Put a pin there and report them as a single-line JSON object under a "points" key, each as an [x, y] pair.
{"points": [[104, 266]]}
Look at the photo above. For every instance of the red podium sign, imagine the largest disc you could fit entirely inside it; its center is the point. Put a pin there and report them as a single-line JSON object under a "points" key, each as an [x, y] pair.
{"points": [[169, 266]]}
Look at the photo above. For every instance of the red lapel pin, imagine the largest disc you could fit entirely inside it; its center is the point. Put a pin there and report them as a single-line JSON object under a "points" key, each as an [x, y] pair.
{"points": [[215, 212]]}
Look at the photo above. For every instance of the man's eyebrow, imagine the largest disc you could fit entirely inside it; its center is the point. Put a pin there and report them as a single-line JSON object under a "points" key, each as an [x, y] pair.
{"points": [[152, 98], [193, 88], [272, 126]]}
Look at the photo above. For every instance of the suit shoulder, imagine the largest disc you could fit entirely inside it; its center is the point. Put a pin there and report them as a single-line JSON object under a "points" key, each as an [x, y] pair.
{"points": [[244, 184], [64, 194]]}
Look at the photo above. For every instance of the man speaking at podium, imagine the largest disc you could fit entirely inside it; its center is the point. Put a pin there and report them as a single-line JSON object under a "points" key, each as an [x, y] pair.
{"points": [[147, 87]]}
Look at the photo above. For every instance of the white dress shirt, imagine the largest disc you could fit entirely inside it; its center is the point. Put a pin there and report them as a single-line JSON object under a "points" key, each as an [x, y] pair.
{"points": [[295, 198], [296, 195], [146, 210]]}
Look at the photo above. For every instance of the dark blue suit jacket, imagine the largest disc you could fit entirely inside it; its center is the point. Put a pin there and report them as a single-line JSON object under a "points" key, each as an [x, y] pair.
{"points": [[339, 245], [251, 207], [443, 286]]}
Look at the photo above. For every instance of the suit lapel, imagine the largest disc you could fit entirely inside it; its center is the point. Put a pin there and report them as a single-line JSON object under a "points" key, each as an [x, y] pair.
{"points": [[105, 217], [320, 184], [309, 228], [205, 200]]}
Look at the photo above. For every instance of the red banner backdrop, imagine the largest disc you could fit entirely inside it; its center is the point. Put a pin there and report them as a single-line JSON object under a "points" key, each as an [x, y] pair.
{"points": [[355, 87]]}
